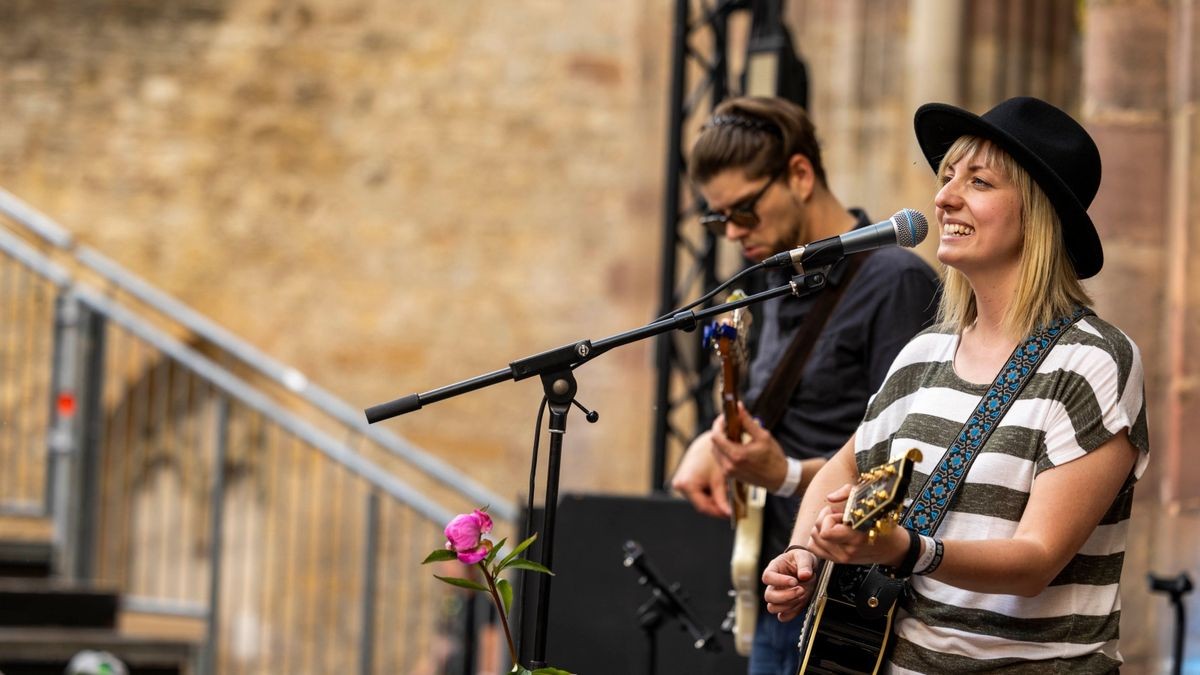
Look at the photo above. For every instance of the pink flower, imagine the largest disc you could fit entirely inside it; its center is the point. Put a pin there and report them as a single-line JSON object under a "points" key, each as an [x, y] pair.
{"points": [[464, 536]]}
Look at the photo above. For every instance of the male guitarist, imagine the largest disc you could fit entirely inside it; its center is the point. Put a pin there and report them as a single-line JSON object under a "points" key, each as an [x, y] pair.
{"points": [[758, 166]]}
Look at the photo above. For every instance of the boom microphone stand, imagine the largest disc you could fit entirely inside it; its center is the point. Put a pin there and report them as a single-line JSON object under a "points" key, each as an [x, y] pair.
{"points": [[555, 368]]}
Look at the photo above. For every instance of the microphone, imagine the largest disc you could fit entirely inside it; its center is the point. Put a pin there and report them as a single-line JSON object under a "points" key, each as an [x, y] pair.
{"points": [[907, 228]]}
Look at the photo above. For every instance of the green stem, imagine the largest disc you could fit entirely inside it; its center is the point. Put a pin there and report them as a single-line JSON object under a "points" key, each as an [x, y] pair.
{"points": [[491, 582]]}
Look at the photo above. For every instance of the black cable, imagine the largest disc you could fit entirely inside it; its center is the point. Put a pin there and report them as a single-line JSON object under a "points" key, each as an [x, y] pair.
{"points": [[710, 294], [537, 438]]}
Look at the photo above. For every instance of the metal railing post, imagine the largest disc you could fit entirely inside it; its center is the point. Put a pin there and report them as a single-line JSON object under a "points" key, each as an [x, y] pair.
{"points": [[208, 661], [90, 443], [62, 441], [366, 654]]}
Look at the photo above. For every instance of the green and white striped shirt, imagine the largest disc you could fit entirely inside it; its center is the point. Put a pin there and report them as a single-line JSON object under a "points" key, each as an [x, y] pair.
{"points": [[1088, 389]]}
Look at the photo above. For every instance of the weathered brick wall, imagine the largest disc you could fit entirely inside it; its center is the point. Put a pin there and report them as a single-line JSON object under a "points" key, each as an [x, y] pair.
{"points": [[390, 196]]}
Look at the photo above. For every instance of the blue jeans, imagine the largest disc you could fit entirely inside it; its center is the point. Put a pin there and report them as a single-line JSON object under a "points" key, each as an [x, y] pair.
{"points": [[774, 651]]}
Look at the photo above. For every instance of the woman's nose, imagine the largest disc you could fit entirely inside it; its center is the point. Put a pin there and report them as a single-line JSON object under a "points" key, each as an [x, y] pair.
{"points": [[947, 196]]}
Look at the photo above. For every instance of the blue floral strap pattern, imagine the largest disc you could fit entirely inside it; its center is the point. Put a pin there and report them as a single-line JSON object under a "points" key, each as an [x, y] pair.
{"points": [[933, 500]]}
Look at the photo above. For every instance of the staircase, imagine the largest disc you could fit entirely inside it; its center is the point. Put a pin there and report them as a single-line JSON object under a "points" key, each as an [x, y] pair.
{"points": [[44, 620], [205, 502]]}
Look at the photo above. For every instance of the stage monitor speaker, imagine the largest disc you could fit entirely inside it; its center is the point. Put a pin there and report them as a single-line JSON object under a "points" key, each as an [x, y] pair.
{"points": [[594, 623]]}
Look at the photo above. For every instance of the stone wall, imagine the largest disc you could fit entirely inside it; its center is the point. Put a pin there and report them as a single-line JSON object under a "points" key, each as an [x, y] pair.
{"points": [[389, 196]]}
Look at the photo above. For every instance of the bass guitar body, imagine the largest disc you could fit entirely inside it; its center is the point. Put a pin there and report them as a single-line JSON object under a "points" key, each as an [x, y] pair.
{"points": [[744, 570]]}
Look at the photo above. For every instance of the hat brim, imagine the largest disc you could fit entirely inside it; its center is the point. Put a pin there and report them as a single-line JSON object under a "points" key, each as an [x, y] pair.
{"points": [[938, 125]]}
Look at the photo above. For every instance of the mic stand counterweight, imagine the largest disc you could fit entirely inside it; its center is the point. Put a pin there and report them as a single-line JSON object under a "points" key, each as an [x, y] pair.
{"points": [[555, 367]]}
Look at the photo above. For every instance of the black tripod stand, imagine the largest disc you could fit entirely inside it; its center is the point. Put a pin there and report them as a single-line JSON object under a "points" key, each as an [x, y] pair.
{"points": [[666, 601], [1176, 588]]}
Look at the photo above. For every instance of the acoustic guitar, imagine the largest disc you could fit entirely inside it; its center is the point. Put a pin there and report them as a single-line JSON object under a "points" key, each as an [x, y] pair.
{"points": [[849, 619]]}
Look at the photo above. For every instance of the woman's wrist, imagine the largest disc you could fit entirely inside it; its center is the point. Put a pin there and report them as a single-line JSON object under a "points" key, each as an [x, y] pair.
{"points": [[903, 563]]}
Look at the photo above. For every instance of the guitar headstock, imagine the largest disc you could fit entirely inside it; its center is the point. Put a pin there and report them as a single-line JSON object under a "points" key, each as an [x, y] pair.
{"points": [[875, 501], [727, 335]]}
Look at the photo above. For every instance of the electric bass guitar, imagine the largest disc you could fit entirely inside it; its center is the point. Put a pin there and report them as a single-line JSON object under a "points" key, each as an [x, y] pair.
{"points": [[727, 338], [849, 619]]}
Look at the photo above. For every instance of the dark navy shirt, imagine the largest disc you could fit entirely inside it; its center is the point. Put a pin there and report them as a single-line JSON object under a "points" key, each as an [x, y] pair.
{"points": [[891, 299]]}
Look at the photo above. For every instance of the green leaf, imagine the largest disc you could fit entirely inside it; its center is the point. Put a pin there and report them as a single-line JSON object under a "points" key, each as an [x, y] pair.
{"points": [[523, 564], [493, 551], [506, 594], [440, 555], [462, 583], [519, 670], [515, 552], [550, 671]]}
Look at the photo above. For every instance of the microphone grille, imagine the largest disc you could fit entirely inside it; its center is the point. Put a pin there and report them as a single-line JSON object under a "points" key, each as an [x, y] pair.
{"points": [[911, 227]]}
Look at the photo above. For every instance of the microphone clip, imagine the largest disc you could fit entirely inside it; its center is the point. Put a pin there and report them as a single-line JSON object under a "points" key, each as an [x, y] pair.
{"points": [[807, 283]]}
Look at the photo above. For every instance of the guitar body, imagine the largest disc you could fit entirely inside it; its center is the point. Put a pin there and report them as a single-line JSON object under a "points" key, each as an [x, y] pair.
{"points": [[837, 638], [744, 570], [849, 620]]}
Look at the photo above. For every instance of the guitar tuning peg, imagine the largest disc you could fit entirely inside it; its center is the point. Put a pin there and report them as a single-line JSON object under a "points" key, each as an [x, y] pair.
{"points": [[858, 513], [890, 469], [871, 536], [870, 503], [881, 494]]}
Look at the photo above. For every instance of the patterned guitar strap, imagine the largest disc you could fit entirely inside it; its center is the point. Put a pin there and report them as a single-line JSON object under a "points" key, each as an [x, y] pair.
{"points": [[879, 590], [933, 500]]}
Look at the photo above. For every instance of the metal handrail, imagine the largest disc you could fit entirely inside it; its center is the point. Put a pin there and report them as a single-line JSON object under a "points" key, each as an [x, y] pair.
{"points": [[46, 229], [230, 384]]}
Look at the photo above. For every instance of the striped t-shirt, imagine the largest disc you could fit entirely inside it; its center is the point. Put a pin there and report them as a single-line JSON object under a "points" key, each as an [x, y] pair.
{"points": [[1088, 389]]}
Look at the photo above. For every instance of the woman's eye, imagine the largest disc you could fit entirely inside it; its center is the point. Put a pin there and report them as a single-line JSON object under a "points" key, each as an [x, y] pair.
{"points": [[981, 182]]}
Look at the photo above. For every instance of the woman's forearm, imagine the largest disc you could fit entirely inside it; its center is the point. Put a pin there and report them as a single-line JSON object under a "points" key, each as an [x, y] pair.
{"points": [[835, 473]]}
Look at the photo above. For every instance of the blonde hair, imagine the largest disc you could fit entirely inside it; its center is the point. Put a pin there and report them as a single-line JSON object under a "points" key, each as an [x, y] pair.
{"points": [[1047, 286]]}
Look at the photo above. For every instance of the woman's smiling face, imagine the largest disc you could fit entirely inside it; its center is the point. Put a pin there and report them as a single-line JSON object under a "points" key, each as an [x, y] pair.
{"points": [[979, 211]]}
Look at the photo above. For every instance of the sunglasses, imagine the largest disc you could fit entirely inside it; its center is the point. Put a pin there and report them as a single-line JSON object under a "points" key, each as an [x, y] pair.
{"points": [[742, 214]]}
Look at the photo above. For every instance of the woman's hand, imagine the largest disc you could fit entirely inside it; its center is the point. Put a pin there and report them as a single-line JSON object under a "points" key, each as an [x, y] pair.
{"points": [[832, 539], [789, 578]]}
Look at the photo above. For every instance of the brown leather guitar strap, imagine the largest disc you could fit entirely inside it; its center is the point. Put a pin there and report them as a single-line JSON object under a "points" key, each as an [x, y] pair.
{"points": [[785, 379]]}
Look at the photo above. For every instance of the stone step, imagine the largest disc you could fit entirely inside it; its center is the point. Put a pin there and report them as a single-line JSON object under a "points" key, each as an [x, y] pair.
{"points": [[38, 651], [26, 528], [26, 546], [50, 602], [27, 559]]}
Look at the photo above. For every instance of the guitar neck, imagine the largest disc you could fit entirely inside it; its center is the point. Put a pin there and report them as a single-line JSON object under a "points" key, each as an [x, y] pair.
{"points": [[729, 394]]}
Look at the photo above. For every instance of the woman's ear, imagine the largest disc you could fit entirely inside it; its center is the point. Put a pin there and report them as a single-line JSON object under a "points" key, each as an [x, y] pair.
{"points": [[801, 179]]}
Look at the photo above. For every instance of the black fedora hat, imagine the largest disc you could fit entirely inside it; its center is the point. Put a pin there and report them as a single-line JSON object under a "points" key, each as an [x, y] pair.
{"points": [[1057, 152]]}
